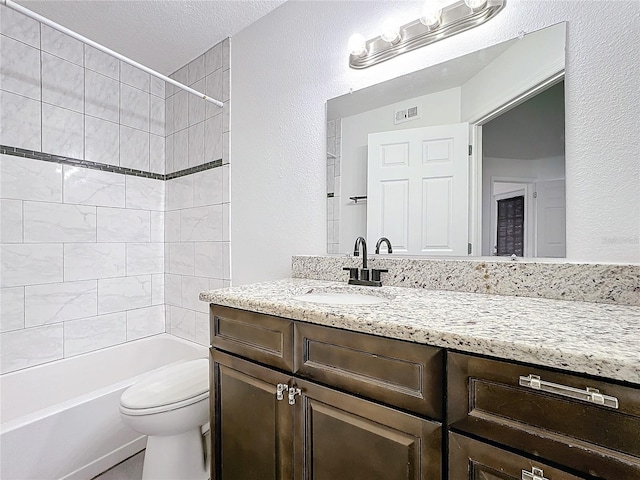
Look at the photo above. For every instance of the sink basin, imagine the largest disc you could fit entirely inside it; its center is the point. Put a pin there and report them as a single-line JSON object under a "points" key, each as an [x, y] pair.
{"points": [[341, 298]]}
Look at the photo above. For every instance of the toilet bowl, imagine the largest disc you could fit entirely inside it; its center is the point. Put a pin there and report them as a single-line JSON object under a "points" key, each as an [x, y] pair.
{"points": [[170, 406]]}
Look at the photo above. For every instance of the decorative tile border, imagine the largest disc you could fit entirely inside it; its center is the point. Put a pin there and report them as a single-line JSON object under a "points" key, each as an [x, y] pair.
{"points": [[47, 157], [584, 282]]}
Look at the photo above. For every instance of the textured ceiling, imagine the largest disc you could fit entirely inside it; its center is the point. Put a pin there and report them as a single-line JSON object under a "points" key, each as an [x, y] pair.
{"points": [[163, 35]]}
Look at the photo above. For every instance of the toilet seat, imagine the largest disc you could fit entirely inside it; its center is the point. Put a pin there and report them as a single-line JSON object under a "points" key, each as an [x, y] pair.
{"points": [[170, 388]]}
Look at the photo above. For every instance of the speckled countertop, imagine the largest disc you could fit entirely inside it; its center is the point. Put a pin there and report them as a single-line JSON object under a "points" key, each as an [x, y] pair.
{"points": [[592, 338]]}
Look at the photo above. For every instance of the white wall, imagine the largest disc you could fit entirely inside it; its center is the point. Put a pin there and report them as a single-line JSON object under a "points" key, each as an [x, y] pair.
{"points": [[286, 66]]}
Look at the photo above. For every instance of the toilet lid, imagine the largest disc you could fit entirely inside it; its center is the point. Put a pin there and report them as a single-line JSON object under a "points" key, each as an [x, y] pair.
{"points": [[173, 384]]}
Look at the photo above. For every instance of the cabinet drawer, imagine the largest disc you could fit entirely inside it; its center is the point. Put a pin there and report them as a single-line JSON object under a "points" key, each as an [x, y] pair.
{"points": [[263, 338], [471, 459], [487, 398], [398, 373]]}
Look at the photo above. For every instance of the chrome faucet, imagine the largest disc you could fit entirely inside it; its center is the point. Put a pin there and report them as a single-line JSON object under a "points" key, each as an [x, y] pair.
{"points": [[361, 277], [382, 240]]}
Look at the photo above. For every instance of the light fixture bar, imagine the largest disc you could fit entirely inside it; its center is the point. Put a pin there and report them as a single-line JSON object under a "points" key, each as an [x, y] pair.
{"points": [[456, 18], [102, 48]]}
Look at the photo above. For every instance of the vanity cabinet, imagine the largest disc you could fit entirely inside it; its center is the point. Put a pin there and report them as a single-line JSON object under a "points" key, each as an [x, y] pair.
{"points": [[291, 402], [294, 400]]}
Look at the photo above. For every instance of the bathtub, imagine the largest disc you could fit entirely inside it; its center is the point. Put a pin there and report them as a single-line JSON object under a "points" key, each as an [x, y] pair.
{"points": [[61, 420]]}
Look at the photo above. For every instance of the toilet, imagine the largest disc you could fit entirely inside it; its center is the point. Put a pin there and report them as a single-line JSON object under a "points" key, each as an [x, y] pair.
{"points": [[170, 406]]}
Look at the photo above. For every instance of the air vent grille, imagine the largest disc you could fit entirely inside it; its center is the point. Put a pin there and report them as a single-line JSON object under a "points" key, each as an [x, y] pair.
{"points": [[406, 115]]}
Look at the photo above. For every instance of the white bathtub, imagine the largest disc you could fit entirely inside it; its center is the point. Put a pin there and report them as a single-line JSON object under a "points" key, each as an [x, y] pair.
{"points": [[61, 420]]}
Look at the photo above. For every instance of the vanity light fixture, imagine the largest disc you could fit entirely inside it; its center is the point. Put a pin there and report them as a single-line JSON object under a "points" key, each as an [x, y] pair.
{"points": [[436, 23]]}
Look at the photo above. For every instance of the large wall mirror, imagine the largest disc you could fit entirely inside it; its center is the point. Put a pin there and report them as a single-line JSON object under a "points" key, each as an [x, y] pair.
{"points": [[462, 158]]}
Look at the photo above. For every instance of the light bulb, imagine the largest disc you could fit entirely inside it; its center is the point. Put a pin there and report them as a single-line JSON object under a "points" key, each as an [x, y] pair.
{"points": [[390, 32], [357, 45], [475, 4], [431, 14]]}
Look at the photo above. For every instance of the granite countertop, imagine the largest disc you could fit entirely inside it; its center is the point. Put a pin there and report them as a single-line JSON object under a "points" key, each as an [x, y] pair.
{"points": [[593, 338]]}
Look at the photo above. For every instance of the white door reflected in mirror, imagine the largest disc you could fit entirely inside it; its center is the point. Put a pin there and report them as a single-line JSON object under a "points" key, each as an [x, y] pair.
{"points": [[418, 184]]}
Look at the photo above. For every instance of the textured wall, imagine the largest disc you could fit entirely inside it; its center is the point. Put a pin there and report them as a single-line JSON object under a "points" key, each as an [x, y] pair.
{"points": [[290, 62]]}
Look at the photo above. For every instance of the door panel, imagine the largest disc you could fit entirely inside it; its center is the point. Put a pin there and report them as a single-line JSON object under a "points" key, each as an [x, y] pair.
{"points": [[344, 437], [437, 206], [394, 209], [254, 435]]}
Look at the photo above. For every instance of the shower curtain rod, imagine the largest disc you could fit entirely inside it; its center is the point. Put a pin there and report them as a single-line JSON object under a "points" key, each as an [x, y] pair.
{"points": [[71, 33]]}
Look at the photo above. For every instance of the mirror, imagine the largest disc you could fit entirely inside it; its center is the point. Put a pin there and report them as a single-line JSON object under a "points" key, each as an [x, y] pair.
{"points": [[461, 158]]}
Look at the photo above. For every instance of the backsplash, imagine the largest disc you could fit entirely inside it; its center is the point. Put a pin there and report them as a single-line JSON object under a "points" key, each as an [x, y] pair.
{"points": [[600, 283]]}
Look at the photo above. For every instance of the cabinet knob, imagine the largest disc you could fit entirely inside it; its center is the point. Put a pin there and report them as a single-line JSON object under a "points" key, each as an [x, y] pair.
{"points": [[293, 391], [534, 474], [280, 389]]}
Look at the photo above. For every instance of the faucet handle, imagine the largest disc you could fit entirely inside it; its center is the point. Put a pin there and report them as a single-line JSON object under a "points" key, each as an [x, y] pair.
{"points": [[353, 272], [375, 273]]}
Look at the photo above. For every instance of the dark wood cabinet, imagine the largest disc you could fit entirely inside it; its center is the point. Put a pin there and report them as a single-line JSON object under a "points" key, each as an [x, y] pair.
{"points": [[339, 436], [296, 401], [588, 425], [312, 431], [252, 431], [403, 374], [473, 460]]}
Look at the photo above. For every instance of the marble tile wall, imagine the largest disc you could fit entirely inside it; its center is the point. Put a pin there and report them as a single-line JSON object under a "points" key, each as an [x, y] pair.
{"points": [[197, 132], [85, 262], [334, 155], [82, 260], [62, 97], [81, 250], [197, 247]]}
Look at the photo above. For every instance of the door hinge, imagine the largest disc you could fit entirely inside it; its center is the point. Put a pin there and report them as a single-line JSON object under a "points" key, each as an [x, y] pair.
{"points": [[469, 246], [535, 194], [470, 149]]}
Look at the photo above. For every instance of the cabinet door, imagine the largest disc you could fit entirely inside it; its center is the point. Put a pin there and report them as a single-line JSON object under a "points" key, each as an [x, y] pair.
{"points": [[253, 431], [339, 436], [474, 460]]}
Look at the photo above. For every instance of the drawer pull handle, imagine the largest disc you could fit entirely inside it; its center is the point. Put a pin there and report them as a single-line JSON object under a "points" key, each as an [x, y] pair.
{"points": [[591, 395], [534, 474], [280, 389]]}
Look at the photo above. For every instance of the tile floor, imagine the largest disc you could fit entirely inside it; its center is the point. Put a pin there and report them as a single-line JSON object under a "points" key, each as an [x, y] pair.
{"points": [[130, 469]]}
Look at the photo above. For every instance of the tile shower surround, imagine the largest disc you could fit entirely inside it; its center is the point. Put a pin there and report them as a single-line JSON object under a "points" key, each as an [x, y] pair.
{"points": [[197, 206], [83, 199]]}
